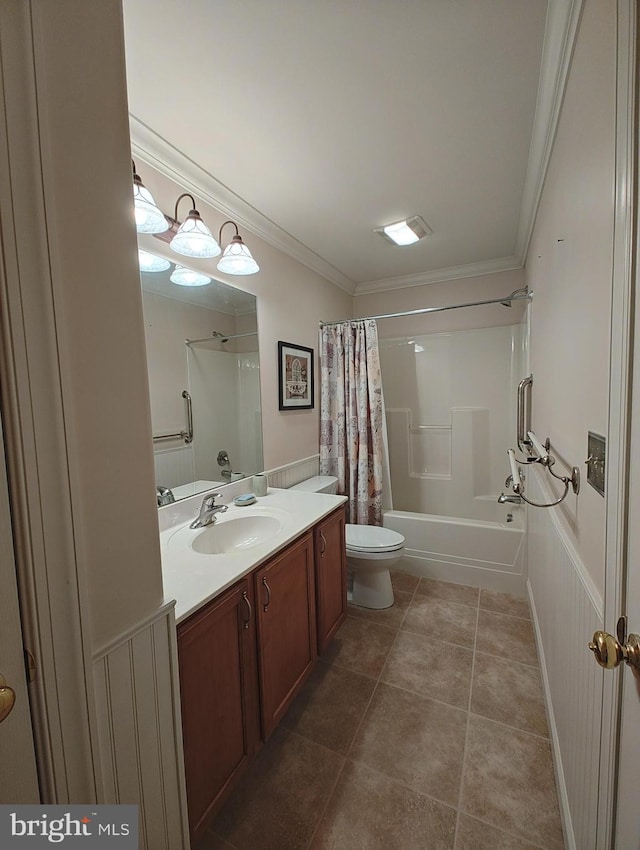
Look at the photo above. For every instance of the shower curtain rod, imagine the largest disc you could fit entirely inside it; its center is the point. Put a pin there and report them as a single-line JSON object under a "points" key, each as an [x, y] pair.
{"points": [[513, 297], [218, 336]]}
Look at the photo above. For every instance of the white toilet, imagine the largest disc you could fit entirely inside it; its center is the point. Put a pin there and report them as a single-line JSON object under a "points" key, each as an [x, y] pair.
{"points": [[371, 552]]}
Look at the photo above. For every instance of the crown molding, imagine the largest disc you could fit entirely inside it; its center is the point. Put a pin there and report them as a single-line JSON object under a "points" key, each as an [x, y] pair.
{"points": [[154, 150], [563, 18], [502, 264]]}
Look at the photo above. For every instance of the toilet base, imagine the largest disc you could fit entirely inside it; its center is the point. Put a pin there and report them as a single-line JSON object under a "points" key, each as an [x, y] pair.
{"points": [[370, 589]]}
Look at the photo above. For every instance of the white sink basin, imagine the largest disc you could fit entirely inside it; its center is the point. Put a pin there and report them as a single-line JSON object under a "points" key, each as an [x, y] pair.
{"points": [[235, 534], [232, 533]]}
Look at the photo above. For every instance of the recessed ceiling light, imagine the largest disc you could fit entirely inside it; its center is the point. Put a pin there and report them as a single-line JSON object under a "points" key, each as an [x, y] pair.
{"points": [[405, 232]]}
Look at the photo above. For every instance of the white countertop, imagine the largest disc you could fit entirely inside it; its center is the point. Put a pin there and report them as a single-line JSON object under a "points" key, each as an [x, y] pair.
{"points": [[192, 579]]}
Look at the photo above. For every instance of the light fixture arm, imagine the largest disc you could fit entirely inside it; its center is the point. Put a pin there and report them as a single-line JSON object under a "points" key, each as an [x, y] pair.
{"points": [[193, 204], [223, 225]]}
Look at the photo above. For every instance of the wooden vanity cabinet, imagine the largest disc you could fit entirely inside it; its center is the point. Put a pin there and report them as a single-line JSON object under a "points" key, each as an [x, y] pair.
{"points": [[244, 656], [219, 698], [286, 624], [331, 576]]}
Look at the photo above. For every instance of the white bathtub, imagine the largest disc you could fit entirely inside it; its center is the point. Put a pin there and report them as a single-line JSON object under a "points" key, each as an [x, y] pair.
{"points": [[490, 555]]}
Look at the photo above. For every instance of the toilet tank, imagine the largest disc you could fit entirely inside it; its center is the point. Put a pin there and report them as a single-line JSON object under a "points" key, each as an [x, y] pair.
{"points": [[318, 484]]}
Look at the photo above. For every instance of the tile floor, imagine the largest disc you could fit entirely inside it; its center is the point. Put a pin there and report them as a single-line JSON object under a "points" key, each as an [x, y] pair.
{"points": [[422, 726]]}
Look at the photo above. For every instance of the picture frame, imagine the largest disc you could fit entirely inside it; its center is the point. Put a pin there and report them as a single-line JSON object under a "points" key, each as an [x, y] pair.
{"points": [[295, 376]]}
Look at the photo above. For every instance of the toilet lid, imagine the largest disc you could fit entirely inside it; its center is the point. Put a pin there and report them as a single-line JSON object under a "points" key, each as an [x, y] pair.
{"points": [[373, 538]]}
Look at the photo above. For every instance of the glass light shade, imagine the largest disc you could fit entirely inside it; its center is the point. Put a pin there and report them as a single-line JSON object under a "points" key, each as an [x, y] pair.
{"points": [[237, 259], [151, 262], [194, 238], [187, 277], [149, 218], [401, 233]]}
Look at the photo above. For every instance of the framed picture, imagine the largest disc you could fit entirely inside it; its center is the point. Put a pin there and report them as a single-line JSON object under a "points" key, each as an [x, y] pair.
{"points": [[295, 376]]}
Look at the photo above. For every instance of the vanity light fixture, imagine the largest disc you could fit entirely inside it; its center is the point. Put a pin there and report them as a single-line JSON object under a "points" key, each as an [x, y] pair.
{"points": [[149, 217], [405, 232], [187, 277], [151, 262], [236, 258], [193, 238]]}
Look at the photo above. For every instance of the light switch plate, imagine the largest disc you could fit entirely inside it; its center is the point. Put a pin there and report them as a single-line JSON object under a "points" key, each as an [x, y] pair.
{"points": [[596, 461]]}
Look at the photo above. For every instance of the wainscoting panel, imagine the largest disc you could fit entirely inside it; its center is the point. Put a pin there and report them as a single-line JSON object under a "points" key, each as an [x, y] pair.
{"points": [[293, 473], [139, 728], [174, 466], [567, 609]]}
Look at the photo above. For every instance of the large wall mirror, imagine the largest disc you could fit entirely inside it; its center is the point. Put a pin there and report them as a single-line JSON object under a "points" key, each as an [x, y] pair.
{"points": [[204, 382]]}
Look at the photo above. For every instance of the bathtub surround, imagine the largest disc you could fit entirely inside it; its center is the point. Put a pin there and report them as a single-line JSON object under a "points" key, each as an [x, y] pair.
{"points": [[451, 407], [352, 417]]}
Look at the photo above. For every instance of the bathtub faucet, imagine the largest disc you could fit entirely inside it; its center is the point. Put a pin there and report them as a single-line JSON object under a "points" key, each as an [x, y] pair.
{"points": [[512, 500]]}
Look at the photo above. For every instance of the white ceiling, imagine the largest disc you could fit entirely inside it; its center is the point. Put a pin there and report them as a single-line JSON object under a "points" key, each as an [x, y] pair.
{"points": [[315, 122]]}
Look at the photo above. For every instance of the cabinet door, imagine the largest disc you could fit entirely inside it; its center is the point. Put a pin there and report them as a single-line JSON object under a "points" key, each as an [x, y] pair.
{"points": [[331, 576], [218, 690], [285, 612]]}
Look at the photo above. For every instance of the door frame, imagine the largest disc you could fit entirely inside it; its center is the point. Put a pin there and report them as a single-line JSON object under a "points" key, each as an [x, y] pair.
{"points": [[620, 375], [50, 583]]}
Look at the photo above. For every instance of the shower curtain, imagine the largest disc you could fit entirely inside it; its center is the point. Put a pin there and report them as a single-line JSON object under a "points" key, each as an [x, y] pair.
{"points": [[352, 417]]}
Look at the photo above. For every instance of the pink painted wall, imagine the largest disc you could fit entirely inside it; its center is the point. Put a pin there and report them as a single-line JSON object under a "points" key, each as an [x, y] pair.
{"points": [[569, 267], [479, 288]]}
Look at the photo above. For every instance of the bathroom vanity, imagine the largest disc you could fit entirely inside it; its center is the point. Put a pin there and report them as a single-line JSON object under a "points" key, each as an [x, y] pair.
{"points": [[246, 649]]}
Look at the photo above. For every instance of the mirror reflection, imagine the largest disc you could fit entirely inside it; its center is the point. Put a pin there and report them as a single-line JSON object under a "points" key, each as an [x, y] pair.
{"points": [[204, 383]]}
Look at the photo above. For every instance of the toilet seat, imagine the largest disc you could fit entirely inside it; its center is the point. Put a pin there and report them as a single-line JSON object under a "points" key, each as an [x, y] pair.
{"points": [[372, 539]]}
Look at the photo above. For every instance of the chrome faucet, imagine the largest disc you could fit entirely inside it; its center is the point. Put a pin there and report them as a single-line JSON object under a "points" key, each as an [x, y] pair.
{"points": [[512, 500], [208, 511], [164, 496]]}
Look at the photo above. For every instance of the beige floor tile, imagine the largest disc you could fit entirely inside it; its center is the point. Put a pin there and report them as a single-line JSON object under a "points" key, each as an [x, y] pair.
{"points": [[360, 646], [509, 782], [504, 603], [209, 841], [506, 637], [404, 581], [369, 811], [391, 617], [279, 801], [414, 740], [330, 706], [431, 668], [510, 693], [460, 593], [444, 621], [472, 834]]}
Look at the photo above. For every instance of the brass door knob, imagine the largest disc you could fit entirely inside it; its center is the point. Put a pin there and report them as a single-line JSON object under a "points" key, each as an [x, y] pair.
{"points": [[610, 652], [7, 698]]}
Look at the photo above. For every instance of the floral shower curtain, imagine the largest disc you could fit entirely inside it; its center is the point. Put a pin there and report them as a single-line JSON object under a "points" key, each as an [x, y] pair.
{"points": [[352, 417]]}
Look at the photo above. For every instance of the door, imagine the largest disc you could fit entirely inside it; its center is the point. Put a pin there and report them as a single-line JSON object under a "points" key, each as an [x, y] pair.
{"points": [[331, 577], [287, 642], [218, 691], [618, 820], [19, 779]]}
